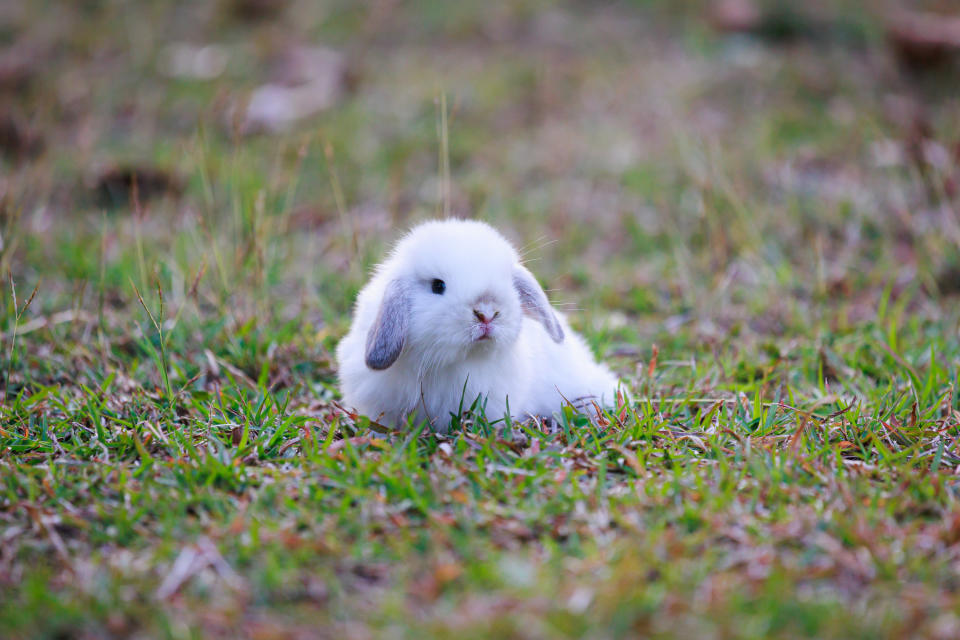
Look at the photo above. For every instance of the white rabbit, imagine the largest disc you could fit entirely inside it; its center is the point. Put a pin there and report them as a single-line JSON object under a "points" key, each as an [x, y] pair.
{"points": [[452, 315]]}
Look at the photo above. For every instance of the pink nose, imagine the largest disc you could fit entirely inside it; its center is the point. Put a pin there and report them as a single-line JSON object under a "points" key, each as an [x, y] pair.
{"points": [[485, 313]]}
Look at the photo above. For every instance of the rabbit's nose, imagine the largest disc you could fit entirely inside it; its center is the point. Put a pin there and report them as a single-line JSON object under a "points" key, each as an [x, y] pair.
{"points": [[485, 312]]}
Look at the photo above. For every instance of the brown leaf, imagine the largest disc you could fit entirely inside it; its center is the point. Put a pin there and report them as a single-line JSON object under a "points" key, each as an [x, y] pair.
{"points": [[255, 10], [735, 16], [630, 458], [355, 441], [122, 185], [20, 64], [948, 280], [653, 362], [399, 520], [951, 533], [17, 138], [447, 572], [923, 39], [443, 518], [794, 443]]}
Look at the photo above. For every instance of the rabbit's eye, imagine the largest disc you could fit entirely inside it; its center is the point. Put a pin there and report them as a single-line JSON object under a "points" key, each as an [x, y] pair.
{"points": [[438, 286]]}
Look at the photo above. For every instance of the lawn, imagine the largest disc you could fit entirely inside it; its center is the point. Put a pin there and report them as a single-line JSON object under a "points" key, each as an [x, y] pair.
{"points": [[759, 231]]}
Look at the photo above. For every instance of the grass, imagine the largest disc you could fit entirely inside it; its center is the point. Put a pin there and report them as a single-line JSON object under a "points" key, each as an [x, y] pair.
{"points": [[753, 233]]}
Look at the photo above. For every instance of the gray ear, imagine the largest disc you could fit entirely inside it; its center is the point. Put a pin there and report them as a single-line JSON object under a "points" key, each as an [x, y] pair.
{"points": [[534, 302], [385, 340]]}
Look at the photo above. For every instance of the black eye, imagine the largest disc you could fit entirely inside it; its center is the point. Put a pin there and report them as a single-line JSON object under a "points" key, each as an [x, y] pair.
{"points": [[438, 286]]}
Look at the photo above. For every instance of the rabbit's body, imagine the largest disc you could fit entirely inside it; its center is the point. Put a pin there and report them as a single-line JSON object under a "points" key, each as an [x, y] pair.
{"points": [[451, 316]]}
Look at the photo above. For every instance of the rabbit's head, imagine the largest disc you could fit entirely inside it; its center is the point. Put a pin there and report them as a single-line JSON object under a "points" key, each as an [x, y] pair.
{"points": [[455, 290]]}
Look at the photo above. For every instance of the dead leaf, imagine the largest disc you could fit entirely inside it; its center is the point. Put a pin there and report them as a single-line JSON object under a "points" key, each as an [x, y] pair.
{"points": [[197, 62], [17, 138], [630, 458], [737, 16], [257, 9], [121, 185], [923, 39], [20, 64], [307, 80], [193, 559], [355, 441]]}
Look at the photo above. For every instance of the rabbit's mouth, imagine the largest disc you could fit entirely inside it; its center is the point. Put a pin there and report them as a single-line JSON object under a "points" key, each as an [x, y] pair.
{"points": [[482, 331]]}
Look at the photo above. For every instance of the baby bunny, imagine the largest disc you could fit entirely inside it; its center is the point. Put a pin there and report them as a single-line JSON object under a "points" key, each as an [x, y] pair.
{"points": [[452, 316]]}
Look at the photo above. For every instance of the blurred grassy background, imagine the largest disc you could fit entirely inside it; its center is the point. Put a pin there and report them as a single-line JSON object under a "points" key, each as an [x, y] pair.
{"points": [[767, 192], [663, 168]]}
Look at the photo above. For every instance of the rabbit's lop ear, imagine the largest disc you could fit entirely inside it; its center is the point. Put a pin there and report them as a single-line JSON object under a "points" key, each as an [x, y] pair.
{"points": [[386, 337], [534, 302]]}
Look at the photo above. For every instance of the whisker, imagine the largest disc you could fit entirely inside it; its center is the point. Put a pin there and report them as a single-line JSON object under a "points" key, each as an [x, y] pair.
{"points": [[535, 247], [532, 245]]}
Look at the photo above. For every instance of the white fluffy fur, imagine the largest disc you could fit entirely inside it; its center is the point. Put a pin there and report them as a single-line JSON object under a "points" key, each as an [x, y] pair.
{"points": [[441, 363]]}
